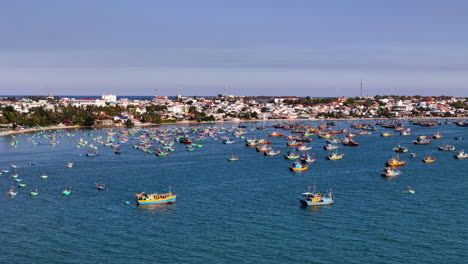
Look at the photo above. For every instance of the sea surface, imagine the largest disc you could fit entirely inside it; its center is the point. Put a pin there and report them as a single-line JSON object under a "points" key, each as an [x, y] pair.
{"points": [[233, 212]]}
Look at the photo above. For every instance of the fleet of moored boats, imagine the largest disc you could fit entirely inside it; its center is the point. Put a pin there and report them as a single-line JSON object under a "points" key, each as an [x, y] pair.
{"points": [[300, 135]]}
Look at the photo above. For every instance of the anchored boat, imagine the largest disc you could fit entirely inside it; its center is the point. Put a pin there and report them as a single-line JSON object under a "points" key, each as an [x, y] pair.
{"points": [[155, 198], [316, 198]]}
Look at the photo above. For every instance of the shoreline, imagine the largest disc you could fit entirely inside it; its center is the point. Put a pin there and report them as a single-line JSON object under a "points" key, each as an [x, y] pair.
{"points": [[14, 132]]}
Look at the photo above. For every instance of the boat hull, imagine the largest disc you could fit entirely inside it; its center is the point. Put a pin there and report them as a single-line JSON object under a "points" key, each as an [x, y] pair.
{"points": [[168, 200], [310, 203]]}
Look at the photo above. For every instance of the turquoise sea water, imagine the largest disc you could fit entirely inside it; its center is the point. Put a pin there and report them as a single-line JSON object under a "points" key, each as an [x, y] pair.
{"points": [[234, 212]]}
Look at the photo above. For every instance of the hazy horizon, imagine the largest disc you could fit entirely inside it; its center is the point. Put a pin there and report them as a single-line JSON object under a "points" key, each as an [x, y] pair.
{"points": [[303, 48]]}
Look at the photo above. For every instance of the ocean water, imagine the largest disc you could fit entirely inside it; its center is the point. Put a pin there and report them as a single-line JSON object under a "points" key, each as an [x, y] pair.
{"points": [[234, 212]]}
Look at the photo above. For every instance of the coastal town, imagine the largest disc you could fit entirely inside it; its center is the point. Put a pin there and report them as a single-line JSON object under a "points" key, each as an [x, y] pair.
{"points": [[110, 110]]}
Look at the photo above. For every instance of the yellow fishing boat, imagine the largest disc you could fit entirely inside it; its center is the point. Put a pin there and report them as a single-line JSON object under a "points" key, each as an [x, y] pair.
{"points": [[429, 159], [335, 156], [297, 166], [396, 162]]}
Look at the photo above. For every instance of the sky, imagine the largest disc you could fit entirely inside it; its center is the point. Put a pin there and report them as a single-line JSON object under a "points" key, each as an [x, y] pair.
{"points": [[302, 48]]}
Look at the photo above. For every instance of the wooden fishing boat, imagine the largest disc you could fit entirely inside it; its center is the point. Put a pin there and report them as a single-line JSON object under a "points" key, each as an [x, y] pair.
{"points": [[276, 134], [101, 186], [185, 140], [162, 153], [316, 198], [293, 143], [422, 140], [429, 159], [437, 135], [400, 149], [44, 176], [263, 141], [335, 156], [303, 148], [271, 153], [233, 158], [446, 147], [297, 166], [308, 159], [350, 143], [263, 148], [34, 193], [409, 190], [155, 198], [461, 155], [393, 162], [291, 155], [11, 193], [330, 147], [66, 191], [386, 134], [390, 172], [291, 137]]}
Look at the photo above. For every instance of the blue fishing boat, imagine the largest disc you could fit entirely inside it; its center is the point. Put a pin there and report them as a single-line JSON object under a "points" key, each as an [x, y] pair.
{"points": [[316, 198]]}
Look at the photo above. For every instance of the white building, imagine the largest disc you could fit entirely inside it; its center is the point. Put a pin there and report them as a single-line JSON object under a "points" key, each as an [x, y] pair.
{"points": [[85, 102], [111, 98]]}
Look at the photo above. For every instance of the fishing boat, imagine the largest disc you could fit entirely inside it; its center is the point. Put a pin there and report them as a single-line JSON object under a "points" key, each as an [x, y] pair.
{"points": [[21, 185], [162, 153], [307, 158], [349, 142], [297, 166], [386, 134], [233, 158], [101, 186], [446, 147], [11, 193], [429, 159], [291, 155], [330, 146], [276, 134], [263, 141], [409, 190], [263, 148], [185, 140], [316, 198], [155, 198], [92, 153], [461, 155], [66, 191], [405, 133], [400, 149], [390, 172], [303, 148], [413, 155], [335, 156], [228, 141], [393, 162], [271, 152], [293, 143], [422, 140], [34, 193], [437, 135]]}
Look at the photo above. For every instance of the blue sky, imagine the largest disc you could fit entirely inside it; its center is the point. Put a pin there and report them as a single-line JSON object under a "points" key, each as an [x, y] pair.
{"points": [[316, 48]]}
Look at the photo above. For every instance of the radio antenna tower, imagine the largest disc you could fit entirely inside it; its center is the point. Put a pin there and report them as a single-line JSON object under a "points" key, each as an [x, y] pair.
{"points": [[178, 92], [361, 88], [225, 90]]}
